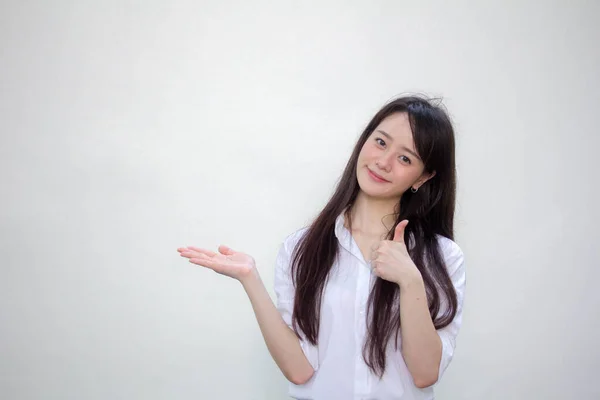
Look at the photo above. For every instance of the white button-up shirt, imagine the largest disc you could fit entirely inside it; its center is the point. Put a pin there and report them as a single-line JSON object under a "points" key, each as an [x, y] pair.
{"points": [[340, 371]]}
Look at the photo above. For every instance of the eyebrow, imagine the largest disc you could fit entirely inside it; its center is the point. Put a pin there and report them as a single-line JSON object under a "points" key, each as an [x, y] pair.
{"points": [[403, 147]]}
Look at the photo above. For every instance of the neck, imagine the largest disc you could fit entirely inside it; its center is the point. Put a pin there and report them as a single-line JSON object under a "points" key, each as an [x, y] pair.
{"points": [[372, 216]]}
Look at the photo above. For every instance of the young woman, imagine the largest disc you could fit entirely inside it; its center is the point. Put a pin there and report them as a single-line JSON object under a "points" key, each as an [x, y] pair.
{"points": [[369, 296]]}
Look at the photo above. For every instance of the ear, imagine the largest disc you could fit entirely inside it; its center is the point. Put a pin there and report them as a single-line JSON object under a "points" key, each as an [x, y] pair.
{"points": [[425, 176], [428, 175]]}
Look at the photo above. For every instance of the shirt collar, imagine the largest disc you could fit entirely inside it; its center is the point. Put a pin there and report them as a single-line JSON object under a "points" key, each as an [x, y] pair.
{"points": [[341, 232]]}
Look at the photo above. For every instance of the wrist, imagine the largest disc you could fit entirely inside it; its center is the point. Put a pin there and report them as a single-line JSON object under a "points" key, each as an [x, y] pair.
{"points": [[414, 281], [250, 279]]}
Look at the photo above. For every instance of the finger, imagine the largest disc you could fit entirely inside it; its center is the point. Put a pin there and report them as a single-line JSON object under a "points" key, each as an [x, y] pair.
{"points": [[219, 267], [203, 251], [182, 249], [375, 269], [206, 262], [399, 231], [226, 250], [193, 254]]}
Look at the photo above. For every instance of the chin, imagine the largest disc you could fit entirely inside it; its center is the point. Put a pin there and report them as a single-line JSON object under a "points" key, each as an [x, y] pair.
{"points": [[368, 187]]}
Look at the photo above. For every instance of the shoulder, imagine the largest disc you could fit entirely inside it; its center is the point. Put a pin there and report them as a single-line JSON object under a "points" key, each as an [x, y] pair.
{"points": [[292, 239], [286, 249], [453, 255]]}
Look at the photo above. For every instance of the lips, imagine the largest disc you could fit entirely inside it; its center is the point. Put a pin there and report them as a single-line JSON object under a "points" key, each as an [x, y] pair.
{"points": [[376, 177]]}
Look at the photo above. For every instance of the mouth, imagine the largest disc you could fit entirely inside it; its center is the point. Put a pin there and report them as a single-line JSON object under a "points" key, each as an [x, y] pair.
{"points": [[376, 177]]}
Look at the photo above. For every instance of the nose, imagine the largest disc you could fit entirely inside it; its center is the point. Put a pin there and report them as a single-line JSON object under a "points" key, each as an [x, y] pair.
{"points": [[384, 162]]}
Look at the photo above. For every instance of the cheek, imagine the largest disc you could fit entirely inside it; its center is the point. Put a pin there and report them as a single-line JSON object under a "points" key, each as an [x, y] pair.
{"points": [[366, 153], [405, 177]]}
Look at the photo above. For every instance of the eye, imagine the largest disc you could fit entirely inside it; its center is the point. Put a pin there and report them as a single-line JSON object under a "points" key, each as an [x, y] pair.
{"points": [[405, 159], [380, 141]]}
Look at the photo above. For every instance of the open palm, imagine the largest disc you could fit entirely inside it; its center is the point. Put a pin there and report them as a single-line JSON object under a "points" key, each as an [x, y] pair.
{"points": [[227, 262]]}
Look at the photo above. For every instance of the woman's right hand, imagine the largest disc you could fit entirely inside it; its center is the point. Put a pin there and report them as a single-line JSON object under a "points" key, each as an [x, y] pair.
{"points": [[282, 342], [226, 262]]}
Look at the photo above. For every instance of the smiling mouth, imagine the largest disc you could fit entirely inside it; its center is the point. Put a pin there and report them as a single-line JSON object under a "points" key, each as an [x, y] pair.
{"points": [[376, 177]]}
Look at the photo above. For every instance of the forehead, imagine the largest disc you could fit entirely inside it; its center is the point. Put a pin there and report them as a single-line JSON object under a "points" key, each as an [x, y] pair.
{"points": [[397, 126]]}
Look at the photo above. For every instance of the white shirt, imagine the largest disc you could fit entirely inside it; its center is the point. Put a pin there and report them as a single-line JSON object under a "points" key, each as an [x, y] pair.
{"points": [[340, 371]]}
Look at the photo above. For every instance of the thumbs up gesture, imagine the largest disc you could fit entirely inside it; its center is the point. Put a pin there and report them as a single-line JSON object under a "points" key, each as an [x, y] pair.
{"points": [[390, 259]]}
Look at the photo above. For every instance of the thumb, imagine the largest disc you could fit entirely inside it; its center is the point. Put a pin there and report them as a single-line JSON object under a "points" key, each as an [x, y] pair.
{"points": [[399, 231], [225, 250]]}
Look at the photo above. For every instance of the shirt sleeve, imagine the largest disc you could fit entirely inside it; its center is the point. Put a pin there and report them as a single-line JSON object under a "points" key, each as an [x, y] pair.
{"points": [[285, 293], [454, 259]]}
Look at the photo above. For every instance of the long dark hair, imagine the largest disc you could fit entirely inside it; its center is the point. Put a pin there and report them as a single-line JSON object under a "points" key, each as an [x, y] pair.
{"points": [[430, 212]]}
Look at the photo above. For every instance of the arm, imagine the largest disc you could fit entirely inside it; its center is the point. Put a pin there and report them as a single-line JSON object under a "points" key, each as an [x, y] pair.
{"points": [[288, 352], [421, 345], [282, 342], [428, 352]]}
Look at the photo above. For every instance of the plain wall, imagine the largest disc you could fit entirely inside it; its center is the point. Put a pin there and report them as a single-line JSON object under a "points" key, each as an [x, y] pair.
{"points": [[129, 129]]}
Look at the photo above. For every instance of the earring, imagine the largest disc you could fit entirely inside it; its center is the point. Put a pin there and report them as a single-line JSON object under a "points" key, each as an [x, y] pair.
{"points": [[412, 189]]}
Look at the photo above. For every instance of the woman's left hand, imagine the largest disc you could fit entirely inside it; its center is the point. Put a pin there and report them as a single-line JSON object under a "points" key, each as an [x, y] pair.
{"points": [[391, 261]]}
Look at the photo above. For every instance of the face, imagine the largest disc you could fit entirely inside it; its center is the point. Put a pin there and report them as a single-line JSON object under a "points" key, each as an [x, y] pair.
{"points": [[388, 163]]}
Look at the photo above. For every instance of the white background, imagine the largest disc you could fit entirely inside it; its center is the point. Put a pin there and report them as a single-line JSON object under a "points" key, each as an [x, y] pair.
{"points": [[131, 128]]}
